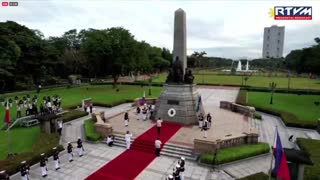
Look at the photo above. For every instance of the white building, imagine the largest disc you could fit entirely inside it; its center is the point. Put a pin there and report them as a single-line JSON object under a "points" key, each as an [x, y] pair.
{"points": [[273, 39]]}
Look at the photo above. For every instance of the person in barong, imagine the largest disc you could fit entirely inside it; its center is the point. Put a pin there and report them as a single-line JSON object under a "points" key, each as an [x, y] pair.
{"points": [[128, 139], [209, 118], [144, 113], [205, 128], [200, 119], [56, 158], [43, 165], [80, 147], [69, 148]]}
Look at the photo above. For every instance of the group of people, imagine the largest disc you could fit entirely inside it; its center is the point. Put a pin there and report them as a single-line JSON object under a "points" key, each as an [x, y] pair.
{"points": [[31, 108], [178, 171], [205, 123], [145, 112], [86, 106], [25, 168]]}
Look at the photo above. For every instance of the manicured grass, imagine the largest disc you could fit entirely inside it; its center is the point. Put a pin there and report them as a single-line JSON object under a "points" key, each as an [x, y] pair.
{"points": [[255, 81], [236, 153], [313, 148], [89, 130], [20, 139], [23, 138], [301, 106]]}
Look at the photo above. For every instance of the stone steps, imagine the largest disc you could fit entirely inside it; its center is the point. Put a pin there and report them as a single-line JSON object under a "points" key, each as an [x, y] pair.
{"points": [[169, 149]]}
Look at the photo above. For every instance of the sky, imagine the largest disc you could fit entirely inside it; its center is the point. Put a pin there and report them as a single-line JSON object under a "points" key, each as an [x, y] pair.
{"points": [[230, 28]]}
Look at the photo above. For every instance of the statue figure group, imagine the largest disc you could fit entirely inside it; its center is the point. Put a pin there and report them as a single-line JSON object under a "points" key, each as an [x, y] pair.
{"points": [[176, 74]]}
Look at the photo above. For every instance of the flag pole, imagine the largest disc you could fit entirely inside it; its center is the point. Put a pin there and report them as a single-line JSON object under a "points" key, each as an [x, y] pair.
{"points": [[274, 139]]}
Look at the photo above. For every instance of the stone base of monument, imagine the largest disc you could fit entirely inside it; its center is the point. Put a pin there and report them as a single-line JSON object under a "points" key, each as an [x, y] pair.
{"points": [[178, 103]]}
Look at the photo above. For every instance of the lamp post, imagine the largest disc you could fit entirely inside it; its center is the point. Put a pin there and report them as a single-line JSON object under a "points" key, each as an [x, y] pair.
{"points": [[272, 86]]}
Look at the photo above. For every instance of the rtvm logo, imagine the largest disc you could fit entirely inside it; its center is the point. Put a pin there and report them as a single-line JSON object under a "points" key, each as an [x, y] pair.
{"points": [[292, 13]]}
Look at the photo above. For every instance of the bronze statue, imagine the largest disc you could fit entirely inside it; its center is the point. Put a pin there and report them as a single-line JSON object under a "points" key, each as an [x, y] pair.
{"points": [[176, 73], [188, 77]]}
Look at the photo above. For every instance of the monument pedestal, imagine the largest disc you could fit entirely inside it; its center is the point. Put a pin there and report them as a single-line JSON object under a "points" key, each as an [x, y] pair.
{"points": [[178, 103]]}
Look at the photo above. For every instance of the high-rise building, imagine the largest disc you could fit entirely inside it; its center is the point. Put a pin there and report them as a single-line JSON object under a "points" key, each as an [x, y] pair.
{"points": [[273, 40]]}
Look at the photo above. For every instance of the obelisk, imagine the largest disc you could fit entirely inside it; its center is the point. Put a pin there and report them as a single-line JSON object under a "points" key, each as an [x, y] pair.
{"points": [[179, 38]]}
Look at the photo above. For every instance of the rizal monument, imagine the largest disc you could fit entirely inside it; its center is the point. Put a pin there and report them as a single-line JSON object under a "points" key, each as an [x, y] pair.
{"points": [[180, 101]]}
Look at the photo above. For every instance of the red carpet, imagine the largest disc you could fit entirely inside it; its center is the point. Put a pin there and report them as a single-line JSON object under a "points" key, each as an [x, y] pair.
{"points": [[130, 163]]}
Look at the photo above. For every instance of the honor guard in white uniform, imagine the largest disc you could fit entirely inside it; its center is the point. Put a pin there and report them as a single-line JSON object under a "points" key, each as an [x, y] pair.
{"points": [[181, 162], [24, 171], [80, 147], [43, 165], [176, 172], [56, 158], [69, 148], [4, 175], [200, 119]]}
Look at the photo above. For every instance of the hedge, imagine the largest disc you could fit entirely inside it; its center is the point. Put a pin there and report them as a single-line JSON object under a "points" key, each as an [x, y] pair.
{"points": [[90, 132], [257, 176], [257, 116], [288, 118], [44, 144], [312, 147], [235, 153], [112, 104], [278, 90], [72, 115]]}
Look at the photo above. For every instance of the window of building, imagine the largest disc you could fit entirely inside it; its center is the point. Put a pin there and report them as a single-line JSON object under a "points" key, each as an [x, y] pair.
{"points": [[279, 33], [268, 37], [278, 41], [268, 30], [267, 45]]}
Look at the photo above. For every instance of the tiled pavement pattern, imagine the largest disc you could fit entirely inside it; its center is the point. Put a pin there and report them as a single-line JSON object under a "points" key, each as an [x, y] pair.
{"points": [[96, 155]]}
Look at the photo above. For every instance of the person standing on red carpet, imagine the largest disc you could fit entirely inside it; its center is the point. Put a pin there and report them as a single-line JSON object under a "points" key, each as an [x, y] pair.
{"points": [[128, 139], [159, 124], [157, 144]]}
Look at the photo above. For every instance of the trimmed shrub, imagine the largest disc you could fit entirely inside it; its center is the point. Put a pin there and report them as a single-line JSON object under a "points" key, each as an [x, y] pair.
{"points": [[90, 132], [257, 116], [257, 176], [73, 106], [235, 153], [242, 97], [112, 104], [44, 144], [312, 147], [74, 114], [279, 90]]}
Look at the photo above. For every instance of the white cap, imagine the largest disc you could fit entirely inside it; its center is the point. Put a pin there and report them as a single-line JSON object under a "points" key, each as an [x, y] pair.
{"points": [[2, 172], [79, 138], [68, 142], [42, 154], [23, 162], [182, 158], [177, 166], [54, 148], [170, 176]]}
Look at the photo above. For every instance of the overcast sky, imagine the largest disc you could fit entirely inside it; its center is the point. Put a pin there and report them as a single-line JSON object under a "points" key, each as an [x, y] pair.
{"points": [[231, 28]]}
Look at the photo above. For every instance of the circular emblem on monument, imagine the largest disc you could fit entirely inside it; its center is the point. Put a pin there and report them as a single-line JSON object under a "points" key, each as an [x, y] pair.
{"points": [[172, 112]]}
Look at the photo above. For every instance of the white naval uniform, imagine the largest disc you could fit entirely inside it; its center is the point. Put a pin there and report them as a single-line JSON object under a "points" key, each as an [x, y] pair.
{"points": [[128, 140]]}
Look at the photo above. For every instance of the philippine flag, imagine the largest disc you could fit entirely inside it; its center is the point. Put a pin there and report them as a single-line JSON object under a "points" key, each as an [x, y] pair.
{"points": [[7, 116], [281, 169]]}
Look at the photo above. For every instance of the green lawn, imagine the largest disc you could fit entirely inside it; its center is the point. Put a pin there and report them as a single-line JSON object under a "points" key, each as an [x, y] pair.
{"points": [[236, 153], [302, 106], [20, 139], [313, 148], [90, 131], [23, 138], [255, 81]]}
